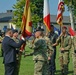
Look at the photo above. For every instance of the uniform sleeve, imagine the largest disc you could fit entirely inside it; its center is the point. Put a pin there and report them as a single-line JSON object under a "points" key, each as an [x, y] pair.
{"points": [[74, 43], [50, 46], [69, 44], [30, 44], [50, 49]]}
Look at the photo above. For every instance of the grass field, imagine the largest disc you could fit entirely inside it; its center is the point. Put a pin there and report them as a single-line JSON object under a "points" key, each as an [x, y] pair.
{"points": [[27, 65]]}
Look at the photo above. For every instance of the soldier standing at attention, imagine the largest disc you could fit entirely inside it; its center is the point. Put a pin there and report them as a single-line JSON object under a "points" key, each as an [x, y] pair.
{"points": [[65, 44], [74, 53], [15, 38], [53, 37], [50, 51]]}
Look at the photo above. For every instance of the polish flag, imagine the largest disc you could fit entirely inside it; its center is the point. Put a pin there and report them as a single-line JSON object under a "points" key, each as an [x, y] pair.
{"points": [[46, 16], [71, 31]]}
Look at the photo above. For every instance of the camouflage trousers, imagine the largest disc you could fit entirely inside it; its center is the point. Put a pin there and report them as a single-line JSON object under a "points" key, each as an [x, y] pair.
{"points": [[18, 61], [64, 61], [74, 62], [40, 67]]}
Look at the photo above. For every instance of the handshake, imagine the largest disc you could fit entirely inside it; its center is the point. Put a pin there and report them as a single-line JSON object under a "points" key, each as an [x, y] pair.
{"points": [[22, 38], [28, 54]]}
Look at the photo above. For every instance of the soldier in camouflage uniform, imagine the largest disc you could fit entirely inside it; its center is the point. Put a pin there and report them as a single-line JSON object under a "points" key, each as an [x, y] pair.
{"points": [[40, 54], [1, 39], [65, 44], [50, 51], [0, 45], [49, 46], [74, 53], [15, 38]]}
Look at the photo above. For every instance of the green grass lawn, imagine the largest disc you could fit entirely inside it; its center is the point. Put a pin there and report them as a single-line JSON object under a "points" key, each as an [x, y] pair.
{"points": [[27, 65]]}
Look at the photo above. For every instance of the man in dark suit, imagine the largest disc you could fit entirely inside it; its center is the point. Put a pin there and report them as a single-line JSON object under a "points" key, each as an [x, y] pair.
{"points": [[9, 49]]}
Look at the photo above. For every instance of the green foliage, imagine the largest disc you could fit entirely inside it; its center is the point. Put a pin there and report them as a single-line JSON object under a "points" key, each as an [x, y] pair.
{"points": [[18, 12], [69, 2], [75, 9], [36, 10], [72, 4]]}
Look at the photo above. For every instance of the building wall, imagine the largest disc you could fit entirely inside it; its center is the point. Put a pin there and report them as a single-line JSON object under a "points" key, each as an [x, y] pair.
{"points": [[7, 24]]}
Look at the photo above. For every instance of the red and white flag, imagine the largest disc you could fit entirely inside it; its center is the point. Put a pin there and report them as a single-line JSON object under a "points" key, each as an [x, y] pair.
{"points": [[46, 16], [60, 12], [71, 31]]}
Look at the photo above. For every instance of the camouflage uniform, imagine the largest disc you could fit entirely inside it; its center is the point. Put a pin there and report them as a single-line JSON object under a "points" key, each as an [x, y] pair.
{"points": [[74, 54], [40, 57], [50, 51], [17, 57], [1, 39], [65, 42]]}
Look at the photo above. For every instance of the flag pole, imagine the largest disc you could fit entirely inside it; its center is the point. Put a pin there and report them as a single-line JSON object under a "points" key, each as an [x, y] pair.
{"points": [[60, 13], [60, 27], [71, 17]]}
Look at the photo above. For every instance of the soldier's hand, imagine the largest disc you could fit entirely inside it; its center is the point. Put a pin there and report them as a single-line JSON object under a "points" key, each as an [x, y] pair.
{"points": [[26, 55], [61, 34], [62, 49], [55, 44], [49, 58]]}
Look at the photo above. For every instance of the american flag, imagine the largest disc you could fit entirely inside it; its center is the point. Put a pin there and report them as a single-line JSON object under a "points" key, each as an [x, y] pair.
{"points": [[61, 9]]}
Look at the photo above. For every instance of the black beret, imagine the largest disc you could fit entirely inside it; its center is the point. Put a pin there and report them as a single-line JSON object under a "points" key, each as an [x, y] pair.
{"points": [[39, 29], [52, 25], [15, 30]]}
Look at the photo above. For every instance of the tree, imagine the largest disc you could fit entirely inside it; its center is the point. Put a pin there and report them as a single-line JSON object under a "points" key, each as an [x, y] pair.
{"points": [[71, 7], [74, 9], [72, 4], [36, 9]]}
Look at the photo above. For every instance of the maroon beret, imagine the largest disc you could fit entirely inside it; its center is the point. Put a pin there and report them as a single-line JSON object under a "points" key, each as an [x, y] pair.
{"points": [[64, 27]]}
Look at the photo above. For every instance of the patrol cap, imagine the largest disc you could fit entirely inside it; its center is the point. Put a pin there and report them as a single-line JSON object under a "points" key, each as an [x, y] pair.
{"points": [[64, 27], [15, 31]]}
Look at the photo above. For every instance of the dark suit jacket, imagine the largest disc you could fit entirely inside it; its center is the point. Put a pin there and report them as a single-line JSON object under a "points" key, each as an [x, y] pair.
{"points": [[9, 49]]}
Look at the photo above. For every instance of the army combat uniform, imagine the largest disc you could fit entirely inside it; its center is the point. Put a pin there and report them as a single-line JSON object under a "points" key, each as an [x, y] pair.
{"points": [[1, 39], [65, 42], [50, 51], [40, 57], [74, 54], [17, 57]]}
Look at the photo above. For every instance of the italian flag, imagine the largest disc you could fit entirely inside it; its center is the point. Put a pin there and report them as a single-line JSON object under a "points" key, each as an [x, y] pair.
{"points": [[46, 16]]}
